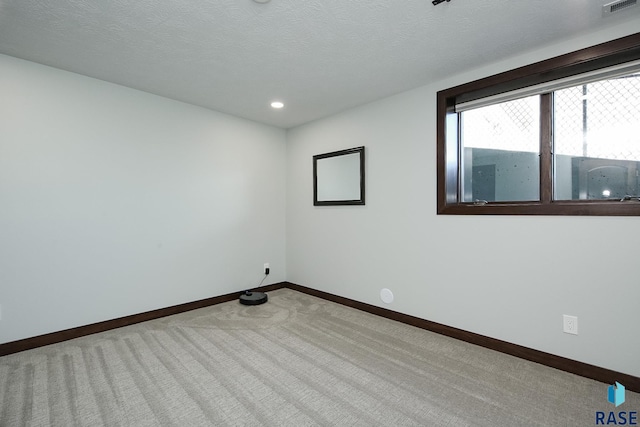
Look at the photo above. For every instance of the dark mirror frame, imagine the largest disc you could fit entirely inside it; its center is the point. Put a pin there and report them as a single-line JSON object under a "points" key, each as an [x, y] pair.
{"points": [[361, 200]]}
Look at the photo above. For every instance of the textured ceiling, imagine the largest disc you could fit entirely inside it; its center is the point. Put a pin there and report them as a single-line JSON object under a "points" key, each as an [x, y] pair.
{"points": [[318, 56]]}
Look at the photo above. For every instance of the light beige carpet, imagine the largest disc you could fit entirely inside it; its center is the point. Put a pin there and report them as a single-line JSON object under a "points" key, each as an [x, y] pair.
{"points": [[295, 361]]}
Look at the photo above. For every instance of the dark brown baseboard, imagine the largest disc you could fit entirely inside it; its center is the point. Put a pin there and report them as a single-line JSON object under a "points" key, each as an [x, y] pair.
{"points": [[597, 373], [80, 331]]}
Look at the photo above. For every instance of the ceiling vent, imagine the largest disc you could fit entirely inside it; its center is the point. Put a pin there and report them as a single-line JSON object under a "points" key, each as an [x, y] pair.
{"points": [[617, 6]]}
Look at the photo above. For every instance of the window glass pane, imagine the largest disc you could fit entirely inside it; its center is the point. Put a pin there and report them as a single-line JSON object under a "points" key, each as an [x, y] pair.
{"points": [[500, 151], [597, 140]]}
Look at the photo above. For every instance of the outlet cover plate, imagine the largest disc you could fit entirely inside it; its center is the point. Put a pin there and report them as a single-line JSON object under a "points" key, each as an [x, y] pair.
{"points": [[570, 324]]}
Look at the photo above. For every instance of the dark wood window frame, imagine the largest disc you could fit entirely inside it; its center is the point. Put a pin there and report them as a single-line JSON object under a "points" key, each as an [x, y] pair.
{"points": [[604, 55]]}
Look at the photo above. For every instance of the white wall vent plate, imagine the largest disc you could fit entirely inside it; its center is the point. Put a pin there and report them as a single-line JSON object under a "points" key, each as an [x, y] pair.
{"points": [[617, 6]]}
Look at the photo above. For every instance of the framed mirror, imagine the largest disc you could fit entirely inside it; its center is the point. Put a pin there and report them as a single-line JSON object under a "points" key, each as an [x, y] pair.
{"points": [[338, 178]]}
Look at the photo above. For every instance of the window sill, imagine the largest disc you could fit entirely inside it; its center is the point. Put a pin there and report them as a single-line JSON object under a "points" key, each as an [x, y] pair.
{"points": [[578, 207]]}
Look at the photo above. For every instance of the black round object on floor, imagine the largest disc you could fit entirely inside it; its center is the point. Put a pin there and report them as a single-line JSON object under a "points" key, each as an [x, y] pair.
{"points": [[253, 298]]}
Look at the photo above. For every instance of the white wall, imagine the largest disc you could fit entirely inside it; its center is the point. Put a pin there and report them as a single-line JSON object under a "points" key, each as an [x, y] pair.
{"points": [[114, 201], [507, 277]]}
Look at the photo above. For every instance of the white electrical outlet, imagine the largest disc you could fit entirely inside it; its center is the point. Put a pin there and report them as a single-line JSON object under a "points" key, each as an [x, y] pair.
{"points": [[266, 265], [570, 324]]}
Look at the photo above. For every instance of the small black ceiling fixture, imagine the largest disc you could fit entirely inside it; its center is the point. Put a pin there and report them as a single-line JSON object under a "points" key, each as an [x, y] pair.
{"points": [[437, 2]]}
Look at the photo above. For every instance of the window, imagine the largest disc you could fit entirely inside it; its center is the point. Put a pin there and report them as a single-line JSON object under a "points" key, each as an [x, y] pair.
{"points": [[500, 146], [559, 137]]}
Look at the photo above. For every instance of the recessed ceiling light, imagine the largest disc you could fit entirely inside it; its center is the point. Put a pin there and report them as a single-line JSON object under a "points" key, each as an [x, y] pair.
{"points": [[277, 104]]}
